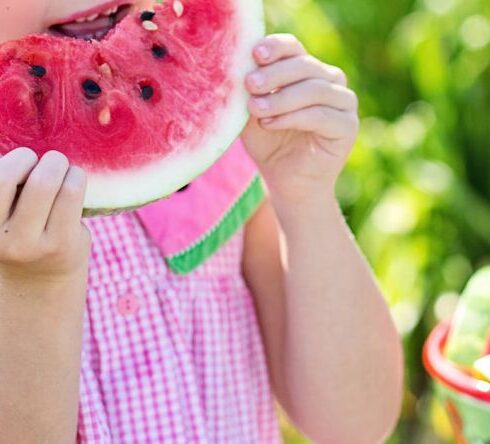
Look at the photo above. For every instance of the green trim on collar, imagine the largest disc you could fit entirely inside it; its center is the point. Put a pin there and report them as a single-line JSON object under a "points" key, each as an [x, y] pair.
{"points": [[186, 261]]}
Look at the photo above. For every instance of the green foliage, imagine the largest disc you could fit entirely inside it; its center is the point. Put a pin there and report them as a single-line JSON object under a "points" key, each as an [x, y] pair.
{"points": [[416, 191]]}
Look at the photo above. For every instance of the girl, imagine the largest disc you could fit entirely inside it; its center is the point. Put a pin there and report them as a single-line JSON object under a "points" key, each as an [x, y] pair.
{"points": [[186, 316]]}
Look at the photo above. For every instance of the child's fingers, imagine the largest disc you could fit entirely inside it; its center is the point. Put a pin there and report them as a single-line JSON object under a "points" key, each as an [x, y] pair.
{"points": [[14, 170], [34, 205], [68, 207], [327, 122], [276, 47], [295, 69], [303, 95]]}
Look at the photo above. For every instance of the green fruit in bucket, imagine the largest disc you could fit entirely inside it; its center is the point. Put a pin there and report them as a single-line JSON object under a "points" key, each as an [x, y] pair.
{"points": [[482, 368], [470, 328], [145, 105], [464, 349]]}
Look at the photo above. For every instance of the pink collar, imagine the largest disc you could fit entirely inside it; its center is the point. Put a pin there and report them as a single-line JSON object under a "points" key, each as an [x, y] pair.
{"points": [[191, 225]]}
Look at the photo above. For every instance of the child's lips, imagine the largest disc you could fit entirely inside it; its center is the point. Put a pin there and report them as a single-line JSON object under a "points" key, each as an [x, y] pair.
{"points": [[94, 26]]}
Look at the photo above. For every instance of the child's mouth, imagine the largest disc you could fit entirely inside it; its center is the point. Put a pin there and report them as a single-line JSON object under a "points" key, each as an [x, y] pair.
{"points": [[93, 27]]}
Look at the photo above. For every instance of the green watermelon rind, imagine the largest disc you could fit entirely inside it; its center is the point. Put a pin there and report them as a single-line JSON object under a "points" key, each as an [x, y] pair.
{"points": [[115, 192]]}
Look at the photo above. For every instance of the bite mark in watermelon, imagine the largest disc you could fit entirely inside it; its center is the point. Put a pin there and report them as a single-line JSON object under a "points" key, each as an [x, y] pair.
{"points": [[143, 111]]}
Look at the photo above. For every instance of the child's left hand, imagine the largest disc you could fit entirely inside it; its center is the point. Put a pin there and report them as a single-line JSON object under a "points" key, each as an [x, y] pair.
{"points": [[304, 120]]}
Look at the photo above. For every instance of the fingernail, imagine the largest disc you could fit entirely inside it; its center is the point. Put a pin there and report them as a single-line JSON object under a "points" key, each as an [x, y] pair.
{"points": [[257, 79], [263, 52], [268, 120], [262, 104]]}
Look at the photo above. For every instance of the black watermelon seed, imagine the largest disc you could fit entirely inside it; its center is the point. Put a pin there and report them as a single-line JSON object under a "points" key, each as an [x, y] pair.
{"points": [[92, 89], [147, 15], [159, 51], [38, 71], [147, 92], [184, 188]]}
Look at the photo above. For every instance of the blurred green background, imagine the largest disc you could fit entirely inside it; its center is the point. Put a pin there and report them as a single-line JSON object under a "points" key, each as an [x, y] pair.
{"points": [[417, 188]]}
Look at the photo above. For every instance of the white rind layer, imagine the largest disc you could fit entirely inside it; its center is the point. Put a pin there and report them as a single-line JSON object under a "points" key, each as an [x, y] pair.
{"points": [[135, 188]]}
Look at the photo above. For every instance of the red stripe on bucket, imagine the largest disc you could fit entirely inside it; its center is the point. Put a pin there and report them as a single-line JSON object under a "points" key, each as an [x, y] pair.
{"points": [[447, 373]]}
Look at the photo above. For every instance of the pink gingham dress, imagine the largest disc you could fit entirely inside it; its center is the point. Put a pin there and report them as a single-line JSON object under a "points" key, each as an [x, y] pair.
{"points": [[172, 351]]}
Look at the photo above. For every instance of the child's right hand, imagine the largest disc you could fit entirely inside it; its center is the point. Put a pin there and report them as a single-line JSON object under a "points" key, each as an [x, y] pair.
{"points": [[42, 239], [44, 251]]}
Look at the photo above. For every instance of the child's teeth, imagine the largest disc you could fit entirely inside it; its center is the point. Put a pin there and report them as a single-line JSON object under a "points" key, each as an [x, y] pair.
{"points": [[111, 11], [92, 17]]}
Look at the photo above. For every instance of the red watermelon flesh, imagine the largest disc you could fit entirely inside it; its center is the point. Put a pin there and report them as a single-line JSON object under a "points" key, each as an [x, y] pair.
{"points": [[144, 111]]}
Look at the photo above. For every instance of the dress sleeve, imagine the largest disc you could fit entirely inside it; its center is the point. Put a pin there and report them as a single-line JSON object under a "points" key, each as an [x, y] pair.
{"points": [[191, 226]]}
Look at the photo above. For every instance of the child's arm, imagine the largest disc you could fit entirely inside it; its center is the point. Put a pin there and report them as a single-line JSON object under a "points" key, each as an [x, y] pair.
{"points": [[334, 354], [43, 273]]}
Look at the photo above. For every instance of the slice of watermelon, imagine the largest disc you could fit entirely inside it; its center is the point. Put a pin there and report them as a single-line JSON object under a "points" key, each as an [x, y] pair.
{"points": [[146, 109]]}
